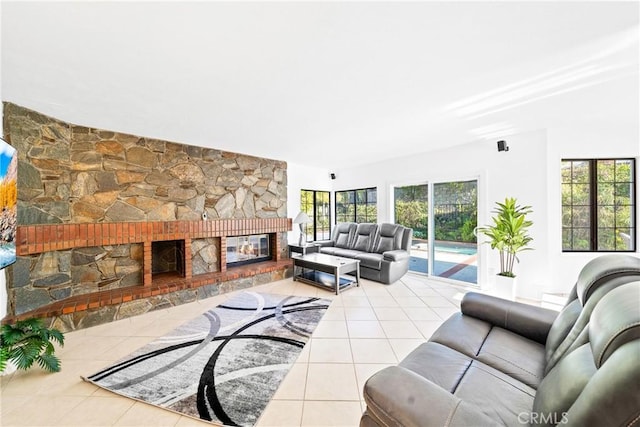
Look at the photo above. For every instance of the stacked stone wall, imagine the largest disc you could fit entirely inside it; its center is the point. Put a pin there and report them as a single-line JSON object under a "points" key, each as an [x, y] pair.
{"points": [[75, 174]]}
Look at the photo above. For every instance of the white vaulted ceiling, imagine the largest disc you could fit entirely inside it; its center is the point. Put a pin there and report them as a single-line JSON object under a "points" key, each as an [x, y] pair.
{"points": [[325, 84]]}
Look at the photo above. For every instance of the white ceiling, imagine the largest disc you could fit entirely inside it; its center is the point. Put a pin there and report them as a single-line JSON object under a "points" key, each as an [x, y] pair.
{"points": [[324, 84]]}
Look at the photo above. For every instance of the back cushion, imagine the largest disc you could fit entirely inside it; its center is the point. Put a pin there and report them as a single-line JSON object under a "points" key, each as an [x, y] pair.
{"points": [[365, 236], [343, 235], [389, 238]]}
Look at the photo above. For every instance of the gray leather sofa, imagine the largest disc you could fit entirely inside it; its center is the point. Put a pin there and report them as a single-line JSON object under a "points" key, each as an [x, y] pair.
{"points": [[502, 363], [383, 249]]}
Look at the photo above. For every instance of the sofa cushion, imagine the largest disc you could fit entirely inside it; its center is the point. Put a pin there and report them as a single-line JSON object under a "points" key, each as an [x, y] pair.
{"points": [[516, 356], [343, 235], [364, 237], [496, 394], [370, 260], [389, 238]]}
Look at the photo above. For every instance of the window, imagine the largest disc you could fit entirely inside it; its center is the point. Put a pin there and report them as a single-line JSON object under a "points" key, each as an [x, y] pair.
{"points": [[316, 204], [598, 205], [357, 205]]}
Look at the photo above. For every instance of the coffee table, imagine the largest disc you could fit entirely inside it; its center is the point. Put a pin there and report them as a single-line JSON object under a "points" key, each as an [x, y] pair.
{"points": [[326, 271]]}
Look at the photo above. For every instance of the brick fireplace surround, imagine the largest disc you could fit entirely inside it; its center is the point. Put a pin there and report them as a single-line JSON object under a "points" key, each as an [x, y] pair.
{"points": [[34, 239]]}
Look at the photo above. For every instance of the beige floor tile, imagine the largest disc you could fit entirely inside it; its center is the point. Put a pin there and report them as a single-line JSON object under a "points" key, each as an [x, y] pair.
{"points": [[141, 413], [376, 291], [423, 291], [42, 411], [428, 327], [400, 329], [390, 313], [445, 313], [402, 347], [372, 351], [400, 290], [359, 313], [330, 350], [409, 301], [383, 301], [355, 301], [334, 312], [328, 414], [331, 381], [281, 413], [293, 385], [304, 354], [331, 329], [185, 421], [365, 370], [437, 301], [96, 411], [365, 329], [421, 313]]}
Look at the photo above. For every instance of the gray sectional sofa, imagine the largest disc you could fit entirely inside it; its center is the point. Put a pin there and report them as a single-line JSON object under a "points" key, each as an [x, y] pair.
{"points": [[383, 249], [503, 363]]}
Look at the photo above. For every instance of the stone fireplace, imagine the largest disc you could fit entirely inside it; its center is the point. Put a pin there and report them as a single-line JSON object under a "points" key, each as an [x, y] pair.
{"points": [[111, 225], [167, 258], [248, 249]]}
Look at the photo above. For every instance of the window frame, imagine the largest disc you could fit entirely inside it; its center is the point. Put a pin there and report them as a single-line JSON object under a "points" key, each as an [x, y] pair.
{"points": [[352, 196], [311, 229], [594, 226]]}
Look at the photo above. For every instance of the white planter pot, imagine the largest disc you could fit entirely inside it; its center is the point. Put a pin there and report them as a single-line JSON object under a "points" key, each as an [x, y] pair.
{"points": [[505, 287]]}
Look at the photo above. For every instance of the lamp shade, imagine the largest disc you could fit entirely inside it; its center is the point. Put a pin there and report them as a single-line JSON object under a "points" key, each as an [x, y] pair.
{"points": [[302, 218]]}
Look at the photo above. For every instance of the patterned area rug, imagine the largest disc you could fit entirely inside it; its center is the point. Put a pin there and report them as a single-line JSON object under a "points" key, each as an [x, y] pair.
{"points": [[223, 366]]}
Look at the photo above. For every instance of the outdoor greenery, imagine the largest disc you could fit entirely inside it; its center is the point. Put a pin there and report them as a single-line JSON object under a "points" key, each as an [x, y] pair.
{"points": [[509, 233], [455, 209], [357, 205], [611, 181], [28, 341], [316, 205]]}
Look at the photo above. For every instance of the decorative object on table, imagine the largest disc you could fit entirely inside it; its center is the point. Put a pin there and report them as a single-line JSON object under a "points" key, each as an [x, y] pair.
{"points": [[301, 219], [8, 203], [28, 341], [509, 234], [223, 366]]}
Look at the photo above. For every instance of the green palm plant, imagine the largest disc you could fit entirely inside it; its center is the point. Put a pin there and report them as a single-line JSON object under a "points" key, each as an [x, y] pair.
{"points": [[509, 233], [28, 341]]}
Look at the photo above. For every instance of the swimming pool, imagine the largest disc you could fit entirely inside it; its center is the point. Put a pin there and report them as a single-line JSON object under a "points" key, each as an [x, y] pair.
{"points": [[450, 247]]}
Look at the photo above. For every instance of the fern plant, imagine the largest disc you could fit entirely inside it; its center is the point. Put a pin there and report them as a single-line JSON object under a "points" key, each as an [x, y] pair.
{"points": [[28, 341]]}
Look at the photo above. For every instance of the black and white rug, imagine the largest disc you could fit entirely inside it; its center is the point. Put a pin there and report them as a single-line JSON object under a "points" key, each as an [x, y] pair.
{"points": [[223, 366]]}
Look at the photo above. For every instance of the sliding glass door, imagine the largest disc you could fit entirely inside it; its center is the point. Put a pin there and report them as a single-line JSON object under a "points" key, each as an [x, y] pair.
{"points": [[443, 216], [455, 216], [411, 209]]}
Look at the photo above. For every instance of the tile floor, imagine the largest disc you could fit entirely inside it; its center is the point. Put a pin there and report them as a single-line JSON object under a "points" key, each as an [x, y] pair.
{"points": [[364, 330]]}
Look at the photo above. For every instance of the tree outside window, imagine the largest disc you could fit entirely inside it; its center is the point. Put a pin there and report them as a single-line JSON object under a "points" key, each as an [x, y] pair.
{"points": [[598, 205]]}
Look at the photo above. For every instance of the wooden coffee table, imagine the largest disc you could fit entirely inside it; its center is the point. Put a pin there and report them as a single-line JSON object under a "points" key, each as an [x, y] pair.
{"points": [[326, 271]]}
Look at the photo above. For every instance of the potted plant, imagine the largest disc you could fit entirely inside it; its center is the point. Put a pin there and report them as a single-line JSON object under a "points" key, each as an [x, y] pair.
{"points": [[28, 341], [509, 235]]}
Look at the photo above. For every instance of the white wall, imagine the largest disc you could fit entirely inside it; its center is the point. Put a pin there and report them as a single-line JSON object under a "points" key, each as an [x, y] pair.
{"points": [[521, 172], [593, 142]]}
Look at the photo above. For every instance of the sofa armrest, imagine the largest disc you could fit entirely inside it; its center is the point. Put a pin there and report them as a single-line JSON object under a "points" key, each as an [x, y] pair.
{"points": [[527, 320], [324, 243], [396, 396], [397, 255]]}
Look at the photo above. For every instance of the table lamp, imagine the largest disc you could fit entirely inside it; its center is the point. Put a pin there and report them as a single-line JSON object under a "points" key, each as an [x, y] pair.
{"points": [[302, 219]]}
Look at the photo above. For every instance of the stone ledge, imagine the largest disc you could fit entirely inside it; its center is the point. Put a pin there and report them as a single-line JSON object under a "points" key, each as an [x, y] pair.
{"points": [[163, 285]]}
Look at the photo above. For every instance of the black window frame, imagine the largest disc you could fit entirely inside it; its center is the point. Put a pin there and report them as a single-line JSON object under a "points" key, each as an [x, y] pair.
{"points": [[355, 197], [312, 211], [593, 183]]}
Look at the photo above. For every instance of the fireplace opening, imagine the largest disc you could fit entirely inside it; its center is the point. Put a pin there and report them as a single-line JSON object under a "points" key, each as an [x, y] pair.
{"points": [[248, 249], [167, 257]]}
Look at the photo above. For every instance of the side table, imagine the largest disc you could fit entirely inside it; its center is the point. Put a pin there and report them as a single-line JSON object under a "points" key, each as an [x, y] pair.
{"points": [[304, 249]]}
